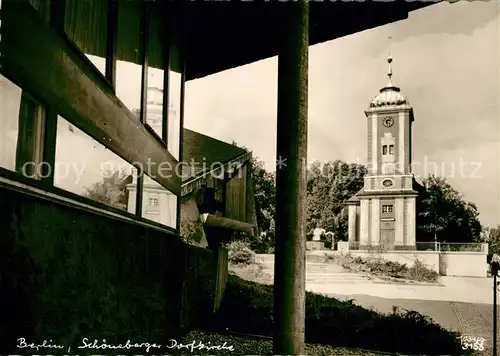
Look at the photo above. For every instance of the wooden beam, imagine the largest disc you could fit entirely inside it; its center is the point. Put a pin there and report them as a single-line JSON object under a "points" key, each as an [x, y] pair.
{"points": [[225, 223], [48, 66], [112, 27]]}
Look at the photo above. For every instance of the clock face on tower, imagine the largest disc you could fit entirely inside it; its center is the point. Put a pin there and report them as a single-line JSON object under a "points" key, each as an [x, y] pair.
{"points": [[388, 121]]}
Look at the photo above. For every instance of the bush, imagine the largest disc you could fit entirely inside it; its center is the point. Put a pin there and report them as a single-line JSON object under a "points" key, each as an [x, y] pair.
{"points": [[337, 323], [262, 245], [418, 272], [240, 253], [327, 240], [191, 230]]}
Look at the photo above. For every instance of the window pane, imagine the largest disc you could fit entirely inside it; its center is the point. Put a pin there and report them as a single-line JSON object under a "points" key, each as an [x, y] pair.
{"points": [[10, 103], [154, 109], [128, 52], [158, 203], [85, 24], [85, 167], [156, 63], [174, 113], [174, 97], [21, 120]]}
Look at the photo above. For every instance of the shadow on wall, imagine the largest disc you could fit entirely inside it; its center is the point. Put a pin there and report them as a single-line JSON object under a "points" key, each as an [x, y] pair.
{"points": [[443, 264], [66, 274]]}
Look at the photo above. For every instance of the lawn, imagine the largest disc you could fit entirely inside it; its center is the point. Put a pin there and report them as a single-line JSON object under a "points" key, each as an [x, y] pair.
{"points": [[246, 345]]}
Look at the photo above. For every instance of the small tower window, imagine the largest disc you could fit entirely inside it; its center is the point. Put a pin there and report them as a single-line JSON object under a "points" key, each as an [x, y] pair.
{"points": [[386, 209], [153, 202], [391, 149], [384, 149]]}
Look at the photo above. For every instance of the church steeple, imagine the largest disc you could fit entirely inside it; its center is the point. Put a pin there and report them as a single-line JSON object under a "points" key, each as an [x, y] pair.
{"points": [[389, 123], [390, 96], [387, 202]]}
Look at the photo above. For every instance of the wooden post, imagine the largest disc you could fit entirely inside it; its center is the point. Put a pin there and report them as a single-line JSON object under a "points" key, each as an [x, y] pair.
{"points": [[289, 269]]}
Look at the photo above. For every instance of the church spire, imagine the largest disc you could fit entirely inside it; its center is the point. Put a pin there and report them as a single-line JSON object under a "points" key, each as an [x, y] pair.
{"points": [[389, 72], [389, 85]]}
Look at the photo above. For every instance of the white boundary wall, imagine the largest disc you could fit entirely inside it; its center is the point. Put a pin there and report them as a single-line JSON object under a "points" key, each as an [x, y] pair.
{"points": [[446, 263]]}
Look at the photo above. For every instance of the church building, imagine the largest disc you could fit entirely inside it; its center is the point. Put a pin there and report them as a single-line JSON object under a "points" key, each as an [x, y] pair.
{"points": [[383, 212]]}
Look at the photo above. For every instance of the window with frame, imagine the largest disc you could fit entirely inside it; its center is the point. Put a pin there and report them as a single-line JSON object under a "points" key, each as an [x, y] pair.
{"points": [[158, 203], [388, 149], [156, 76], [153, 202], [85, 24], [175, 88], [21, 137], [129, 49], [87, 168], [387, 209]]}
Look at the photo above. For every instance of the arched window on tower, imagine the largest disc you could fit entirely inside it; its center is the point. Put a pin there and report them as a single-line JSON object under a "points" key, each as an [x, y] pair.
{"points": [[386, 151], [388, 157]]}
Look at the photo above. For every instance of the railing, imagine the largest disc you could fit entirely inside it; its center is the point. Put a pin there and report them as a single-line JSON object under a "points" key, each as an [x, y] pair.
{"points": [[419, 246], [427, 246], [463, 247]]}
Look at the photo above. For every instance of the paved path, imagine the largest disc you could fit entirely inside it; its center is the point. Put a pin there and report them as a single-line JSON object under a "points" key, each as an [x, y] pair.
{"points": [[330, 278], [458, 304]]}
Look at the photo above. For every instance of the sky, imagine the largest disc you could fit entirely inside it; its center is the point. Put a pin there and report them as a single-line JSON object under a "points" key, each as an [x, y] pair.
{"points": [[446, 62]]}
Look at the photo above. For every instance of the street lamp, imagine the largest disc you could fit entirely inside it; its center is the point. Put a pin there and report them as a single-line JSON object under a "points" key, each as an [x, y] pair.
{"points": [[495, 266]]}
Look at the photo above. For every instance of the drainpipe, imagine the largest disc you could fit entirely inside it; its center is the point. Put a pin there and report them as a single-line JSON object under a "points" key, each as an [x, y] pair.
{"points": [[290, 243]]}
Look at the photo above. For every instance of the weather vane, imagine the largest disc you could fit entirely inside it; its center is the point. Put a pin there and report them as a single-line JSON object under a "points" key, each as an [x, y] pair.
{"points": [[389, 72]]}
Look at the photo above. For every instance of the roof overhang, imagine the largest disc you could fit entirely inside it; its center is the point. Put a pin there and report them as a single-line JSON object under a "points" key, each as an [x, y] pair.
{"points": [[230, 167], [221, 35]]}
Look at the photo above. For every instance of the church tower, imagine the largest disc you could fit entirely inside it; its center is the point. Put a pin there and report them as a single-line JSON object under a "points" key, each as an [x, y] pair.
{"points": [[386, 206], [158, 204]]}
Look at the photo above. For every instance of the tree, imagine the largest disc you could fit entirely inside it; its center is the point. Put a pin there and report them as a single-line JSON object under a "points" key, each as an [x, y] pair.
{"points": [[491, 236], [111, 190], [444, 215], [264, 189], [329, 185]]}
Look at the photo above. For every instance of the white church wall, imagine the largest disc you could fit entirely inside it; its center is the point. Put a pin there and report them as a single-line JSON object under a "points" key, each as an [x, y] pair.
{"points": [[463, 264], [352, 223], [375, 221], [364, 224]]}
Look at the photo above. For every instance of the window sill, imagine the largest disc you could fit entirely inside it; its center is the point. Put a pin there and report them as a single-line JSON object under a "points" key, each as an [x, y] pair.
{"points": [[155, 134], [42, 190]]}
